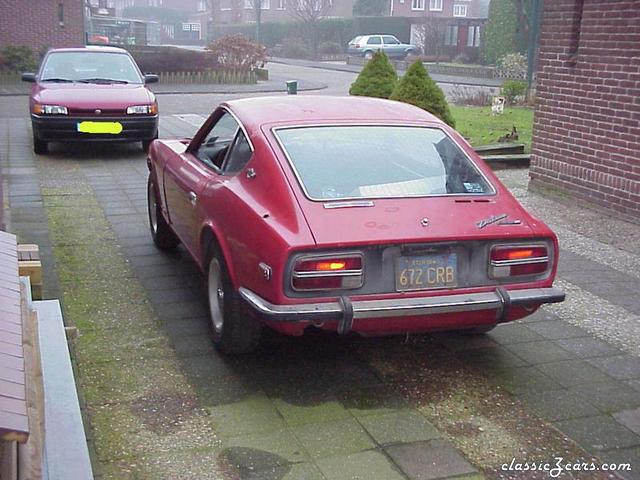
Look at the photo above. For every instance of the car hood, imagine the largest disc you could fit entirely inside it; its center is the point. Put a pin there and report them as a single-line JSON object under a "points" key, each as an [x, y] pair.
{"points": [[418, 219], [91, 95]]}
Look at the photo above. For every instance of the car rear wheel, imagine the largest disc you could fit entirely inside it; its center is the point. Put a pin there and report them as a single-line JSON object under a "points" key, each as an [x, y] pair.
{"points": [[368, 55], [162, 235], [40, 147], [233, 329]]}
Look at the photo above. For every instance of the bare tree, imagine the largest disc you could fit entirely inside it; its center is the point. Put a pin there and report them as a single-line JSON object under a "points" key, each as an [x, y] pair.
{"points": [[309, 12], [430, 35], [256, 6]]}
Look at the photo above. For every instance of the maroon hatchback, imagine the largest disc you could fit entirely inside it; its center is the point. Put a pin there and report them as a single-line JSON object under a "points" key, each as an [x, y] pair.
{"points": [[91, 94]]}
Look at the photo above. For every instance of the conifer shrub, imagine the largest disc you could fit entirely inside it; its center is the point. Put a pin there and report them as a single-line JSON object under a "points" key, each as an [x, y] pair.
{"points": [[417, 88], [378, 78]]}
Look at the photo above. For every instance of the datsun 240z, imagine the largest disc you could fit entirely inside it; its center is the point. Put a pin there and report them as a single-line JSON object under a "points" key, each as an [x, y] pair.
{"points": [[348, 214]]}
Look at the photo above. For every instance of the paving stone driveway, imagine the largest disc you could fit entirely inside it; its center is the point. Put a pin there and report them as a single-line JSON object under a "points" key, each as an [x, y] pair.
{"points": [[317, 407]]}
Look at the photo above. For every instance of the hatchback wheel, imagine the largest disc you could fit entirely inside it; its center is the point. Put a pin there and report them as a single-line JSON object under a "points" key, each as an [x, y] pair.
{"points": [[368, 55], [233, 329]]}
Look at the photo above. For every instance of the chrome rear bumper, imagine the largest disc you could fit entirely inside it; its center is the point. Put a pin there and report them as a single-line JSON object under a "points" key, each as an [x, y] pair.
{"points": [[500, 300]]}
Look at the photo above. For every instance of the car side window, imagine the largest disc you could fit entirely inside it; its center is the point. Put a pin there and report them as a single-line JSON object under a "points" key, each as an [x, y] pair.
{"points": [[238, 156], [389, 40], [374, 41], [213, 149]]}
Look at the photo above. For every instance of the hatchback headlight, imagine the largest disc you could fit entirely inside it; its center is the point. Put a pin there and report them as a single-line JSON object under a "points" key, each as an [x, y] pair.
{"points": [[142, 110], [49, 109]]}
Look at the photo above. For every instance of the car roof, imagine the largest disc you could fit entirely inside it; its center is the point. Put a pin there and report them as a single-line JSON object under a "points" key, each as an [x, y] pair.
{"points": [[305, 109], [89, 48]]}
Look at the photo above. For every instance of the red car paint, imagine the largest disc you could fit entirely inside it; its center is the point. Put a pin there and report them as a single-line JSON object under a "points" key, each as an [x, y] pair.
{"points": [[261, 215]]}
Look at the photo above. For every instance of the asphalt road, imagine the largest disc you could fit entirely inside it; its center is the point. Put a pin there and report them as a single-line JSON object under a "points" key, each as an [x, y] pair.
{"points": [[161, 403]]}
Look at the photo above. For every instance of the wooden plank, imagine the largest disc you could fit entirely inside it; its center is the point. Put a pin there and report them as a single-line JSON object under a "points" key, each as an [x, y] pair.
{"points": [[31, 269], [28, 251], [500, 148], [31, 453], [9, 456], [14, 424]]}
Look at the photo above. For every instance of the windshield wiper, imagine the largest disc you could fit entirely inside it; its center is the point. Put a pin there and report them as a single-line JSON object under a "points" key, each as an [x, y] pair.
{"points": [[55, 79], [101, 80]]}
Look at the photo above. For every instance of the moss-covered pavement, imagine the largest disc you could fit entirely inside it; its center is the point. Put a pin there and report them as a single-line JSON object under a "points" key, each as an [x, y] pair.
{"points": [[160, 403]]}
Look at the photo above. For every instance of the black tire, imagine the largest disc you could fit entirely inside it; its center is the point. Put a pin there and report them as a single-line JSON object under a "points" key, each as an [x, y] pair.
{"points": [[368, 55], [233, 330], [476, 330], [147, 143], [40, 147], [162, 235]]}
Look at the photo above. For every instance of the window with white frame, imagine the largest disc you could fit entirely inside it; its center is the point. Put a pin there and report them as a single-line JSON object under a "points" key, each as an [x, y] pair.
{"points": [[435, 5], [265, 4], [473, 36], [459, 10], [225, 5], [281, 5], [417, 4], [451, 35]]}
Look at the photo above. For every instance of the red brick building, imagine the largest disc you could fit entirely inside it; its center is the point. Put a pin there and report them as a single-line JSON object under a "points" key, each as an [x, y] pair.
{"points": [[586, 139], [41, 23]]}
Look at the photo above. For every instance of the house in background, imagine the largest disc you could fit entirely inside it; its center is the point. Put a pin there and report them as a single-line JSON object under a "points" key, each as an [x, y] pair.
{"points": [[444, 29], [242, 11], [42, 23], [586, 135]]}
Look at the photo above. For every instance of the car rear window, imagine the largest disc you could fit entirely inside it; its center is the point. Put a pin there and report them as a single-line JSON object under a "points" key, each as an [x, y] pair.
{"points": [[92, 67], [352, 162]]}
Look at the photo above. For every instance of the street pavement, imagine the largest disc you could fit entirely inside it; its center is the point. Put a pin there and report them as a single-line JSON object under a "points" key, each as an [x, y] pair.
{"points": [[564, 382]]}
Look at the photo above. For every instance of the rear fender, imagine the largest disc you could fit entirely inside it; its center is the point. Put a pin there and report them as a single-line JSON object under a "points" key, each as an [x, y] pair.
{"points": [[210, 236]]}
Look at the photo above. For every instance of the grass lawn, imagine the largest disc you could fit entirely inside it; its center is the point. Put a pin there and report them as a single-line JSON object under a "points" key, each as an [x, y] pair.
{"points": [[480, 128]]}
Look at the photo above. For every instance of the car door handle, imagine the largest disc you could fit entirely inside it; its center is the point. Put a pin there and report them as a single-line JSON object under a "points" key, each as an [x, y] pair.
{"points": [[192, 198]]}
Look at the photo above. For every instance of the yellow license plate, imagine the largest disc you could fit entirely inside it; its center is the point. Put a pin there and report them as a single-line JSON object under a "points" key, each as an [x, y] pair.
{"points": [[113, 128], [425, 272]]}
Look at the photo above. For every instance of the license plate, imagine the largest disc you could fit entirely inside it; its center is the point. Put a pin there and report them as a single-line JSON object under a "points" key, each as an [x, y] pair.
{"points": [[428, 271], [113, 128]]}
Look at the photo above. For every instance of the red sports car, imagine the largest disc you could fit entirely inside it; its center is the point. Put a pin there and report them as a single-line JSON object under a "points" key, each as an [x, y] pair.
{"points": [[91, 93], [347, 214]]}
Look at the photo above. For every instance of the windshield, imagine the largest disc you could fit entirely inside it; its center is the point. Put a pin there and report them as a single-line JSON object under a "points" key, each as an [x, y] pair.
{"points": [[90, 67], [351, 162]]}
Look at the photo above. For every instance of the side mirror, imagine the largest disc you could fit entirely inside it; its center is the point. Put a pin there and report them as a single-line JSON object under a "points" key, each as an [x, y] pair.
{"points": [[150, 78], [29, 77]]}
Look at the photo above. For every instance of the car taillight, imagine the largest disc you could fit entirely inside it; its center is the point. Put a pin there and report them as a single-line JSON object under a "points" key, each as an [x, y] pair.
{"points": [[516, 260], [327, 272], [357, 45]]}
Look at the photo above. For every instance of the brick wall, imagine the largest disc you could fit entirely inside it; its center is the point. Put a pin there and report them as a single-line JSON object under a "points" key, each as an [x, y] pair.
{"points": [[36, 23], [586, 139]]}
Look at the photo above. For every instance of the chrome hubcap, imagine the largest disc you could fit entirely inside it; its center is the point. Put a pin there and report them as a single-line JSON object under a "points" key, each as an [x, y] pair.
{"points": [[216, 295]]}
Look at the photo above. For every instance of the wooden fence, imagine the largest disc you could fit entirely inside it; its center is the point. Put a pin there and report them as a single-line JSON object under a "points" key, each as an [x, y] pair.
{"points": [[10, 79]]}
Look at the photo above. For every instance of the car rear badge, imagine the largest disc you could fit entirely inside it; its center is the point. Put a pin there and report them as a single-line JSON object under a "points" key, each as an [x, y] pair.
{"points": [[424, 222], [98, 111], [490, 220]]}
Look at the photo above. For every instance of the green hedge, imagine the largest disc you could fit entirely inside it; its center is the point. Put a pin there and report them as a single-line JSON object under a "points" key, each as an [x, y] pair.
{"points": [[339, 30], [501, 33]]}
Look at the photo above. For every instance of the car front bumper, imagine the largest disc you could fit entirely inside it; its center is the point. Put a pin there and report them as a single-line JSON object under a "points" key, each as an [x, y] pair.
{"points": [[500, 300], [65, 128]]}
